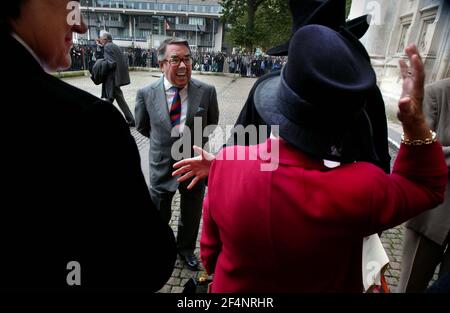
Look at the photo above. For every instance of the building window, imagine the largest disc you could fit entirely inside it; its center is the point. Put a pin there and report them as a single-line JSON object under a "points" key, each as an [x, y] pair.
{"points": [[182, 20], [196, 21], [405, 25], [427, 19], [402, 42]]}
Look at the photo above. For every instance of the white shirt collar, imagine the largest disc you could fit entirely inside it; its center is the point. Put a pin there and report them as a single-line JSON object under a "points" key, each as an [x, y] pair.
{"points": [[26, 46], [168, 84]]}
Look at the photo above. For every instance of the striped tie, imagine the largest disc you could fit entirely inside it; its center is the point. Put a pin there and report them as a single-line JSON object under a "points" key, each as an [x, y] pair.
{"points": [[175, 109]]}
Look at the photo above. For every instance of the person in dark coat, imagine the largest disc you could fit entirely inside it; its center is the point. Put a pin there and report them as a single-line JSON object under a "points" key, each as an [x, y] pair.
{"points": [[330, 13], [120, 75], [76, 212]]}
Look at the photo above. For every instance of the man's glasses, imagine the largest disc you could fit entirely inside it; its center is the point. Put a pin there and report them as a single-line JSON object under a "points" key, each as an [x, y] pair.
{"points": [[177, 61]]}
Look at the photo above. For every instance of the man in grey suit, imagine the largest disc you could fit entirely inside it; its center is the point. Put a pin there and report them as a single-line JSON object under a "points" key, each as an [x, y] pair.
{"points": [[117, 77], [427, 235], [168, 111]]}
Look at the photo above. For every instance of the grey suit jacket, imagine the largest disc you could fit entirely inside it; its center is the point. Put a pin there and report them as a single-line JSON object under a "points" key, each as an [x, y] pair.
{"points": [[435, 224], [153, 121]]}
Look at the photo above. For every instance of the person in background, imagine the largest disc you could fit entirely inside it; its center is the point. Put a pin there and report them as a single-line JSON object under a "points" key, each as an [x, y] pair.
{"points": [[120, 76]]}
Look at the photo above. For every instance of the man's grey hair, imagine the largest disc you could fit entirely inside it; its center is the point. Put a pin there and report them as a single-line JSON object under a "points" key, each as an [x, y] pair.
{"points": [[107, 36], [170, 41]]}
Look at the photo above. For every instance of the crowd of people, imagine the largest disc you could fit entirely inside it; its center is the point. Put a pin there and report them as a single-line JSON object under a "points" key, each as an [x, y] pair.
{"points": [[84, 56], [245, 64], [77, 206]]}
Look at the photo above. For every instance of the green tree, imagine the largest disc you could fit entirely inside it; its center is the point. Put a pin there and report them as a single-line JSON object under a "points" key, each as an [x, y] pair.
{"points": [[273, 23], [259, 23], [241, 15]]}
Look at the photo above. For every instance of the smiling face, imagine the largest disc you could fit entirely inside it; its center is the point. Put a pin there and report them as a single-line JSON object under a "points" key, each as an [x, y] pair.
{"points": [[47, 27], [178, 75]]}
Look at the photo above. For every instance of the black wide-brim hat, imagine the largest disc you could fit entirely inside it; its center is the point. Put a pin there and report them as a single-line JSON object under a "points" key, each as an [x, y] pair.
{"points": [[330, 13], [318, 100]]}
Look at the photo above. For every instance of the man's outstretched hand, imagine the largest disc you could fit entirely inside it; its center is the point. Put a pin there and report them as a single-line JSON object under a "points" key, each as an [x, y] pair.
{"points": [[197, 167]]}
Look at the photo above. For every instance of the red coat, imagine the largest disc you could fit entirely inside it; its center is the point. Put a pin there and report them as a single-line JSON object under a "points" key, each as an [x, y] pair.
{"points": [[300, 228]]}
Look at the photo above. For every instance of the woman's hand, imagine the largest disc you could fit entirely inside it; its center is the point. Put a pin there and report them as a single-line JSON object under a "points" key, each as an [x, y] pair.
{"points": [[410, 104]]}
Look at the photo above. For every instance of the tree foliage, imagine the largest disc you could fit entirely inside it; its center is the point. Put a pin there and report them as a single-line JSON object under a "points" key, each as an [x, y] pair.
{"points": [[258, 23]]}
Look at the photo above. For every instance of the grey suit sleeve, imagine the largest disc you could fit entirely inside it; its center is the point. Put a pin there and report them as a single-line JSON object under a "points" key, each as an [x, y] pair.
{"points": [[213, 108], [141, 115], [430, 108]]}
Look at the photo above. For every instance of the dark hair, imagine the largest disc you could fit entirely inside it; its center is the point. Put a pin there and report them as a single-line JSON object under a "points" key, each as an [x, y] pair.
{"points": [[10, 11], [170, 41]]}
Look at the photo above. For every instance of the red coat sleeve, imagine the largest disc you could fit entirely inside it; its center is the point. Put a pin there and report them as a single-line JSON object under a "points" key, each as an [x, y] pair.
{"points": [[210, 244], [416, 184]]}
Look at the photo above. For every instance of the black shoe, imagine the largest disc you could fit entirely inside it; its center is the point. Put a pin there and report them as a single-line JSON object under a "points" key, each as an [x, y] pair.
{"points": [[191, 261]]}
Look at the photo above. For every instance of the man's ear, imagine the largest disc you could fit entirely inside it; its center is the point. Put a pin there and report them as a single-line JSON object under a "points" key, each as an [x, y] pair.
{"points": [[161, 66]]}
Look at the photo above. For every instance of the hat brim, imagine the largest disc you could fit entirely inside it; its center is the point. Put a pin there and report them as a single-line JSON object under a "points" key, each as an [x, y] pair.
{"points": [[267, 102], [314, 142], [358, 26]]}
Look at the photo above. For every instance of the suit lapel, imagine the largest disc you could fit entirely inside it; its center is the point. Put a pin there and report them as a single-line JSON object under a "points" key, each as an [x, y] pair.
{"points": [[194, 98], [161, 105]]}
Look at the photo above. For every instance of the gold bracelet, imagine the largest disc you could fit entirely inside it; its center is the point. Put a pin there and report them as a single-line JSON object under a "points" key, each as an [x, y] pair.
{"points": [[419, 142]]}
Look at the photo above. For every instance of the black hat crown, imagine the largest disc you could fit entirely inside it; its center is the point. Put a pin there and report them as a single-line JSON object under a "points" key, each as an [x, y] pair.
{"points": [[318, 100], [330, 13]]}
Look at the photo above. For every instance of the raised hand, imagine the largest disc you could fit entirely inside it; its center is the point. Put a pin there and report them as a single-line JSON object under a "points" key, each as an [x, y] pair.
{"points": [[410, 104], [197, 167]]}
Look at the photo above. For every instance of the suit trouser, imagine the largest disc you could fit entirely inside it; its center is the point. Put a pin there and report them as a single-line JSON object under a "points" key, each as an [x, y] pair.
{"points": [[419, 261], [118, 96], [191, 202]]}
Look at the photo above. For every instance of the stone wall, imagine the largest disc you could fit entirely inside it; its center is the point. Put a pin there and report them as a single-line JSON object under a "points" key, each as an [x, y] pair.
{"points": [[395, 24]]}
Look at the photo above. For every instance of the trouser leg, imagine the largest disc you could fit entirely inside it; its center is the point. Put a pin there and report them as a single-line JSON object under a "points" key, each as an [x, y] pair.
{"points": [[163, 202], [118, 95], [445, 264], [191, 211]]}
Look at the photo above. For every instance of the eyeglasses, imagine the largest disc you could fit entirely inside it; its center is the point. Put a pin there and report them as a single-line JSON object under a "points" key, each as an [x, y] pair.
{"points": [[177, 61]]}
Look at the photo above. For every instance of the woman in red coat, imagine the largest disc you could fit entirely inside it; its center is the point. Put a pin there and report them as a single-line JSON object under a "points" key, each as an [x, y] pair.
{"points": [[287, 218]]}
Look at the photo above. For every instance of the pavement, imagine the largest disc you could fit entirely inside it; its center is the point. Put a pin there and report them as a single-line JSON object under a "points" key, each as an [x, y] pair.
{"points": [[232, 93]]}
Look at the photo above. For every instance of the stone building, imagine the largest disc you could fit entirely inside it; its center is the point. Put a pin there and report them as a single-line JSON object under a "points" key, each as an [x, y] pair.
{"points": [[395, 24]]}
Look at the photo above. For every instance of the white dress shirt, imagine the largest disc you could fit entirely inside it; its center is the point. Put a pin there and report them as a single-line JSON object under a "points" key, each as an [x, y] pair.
{"points": [[184, 101]]}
